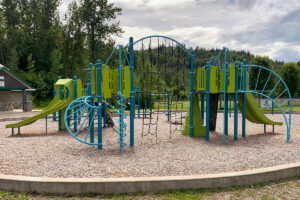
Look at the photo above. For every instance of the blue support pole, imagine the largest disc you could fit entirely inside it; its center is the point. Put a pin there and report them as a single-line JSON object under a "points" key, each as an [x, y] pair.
{"points": [[207, 99], [75, 107], [236, 64], [59, 112], [192, 95], [225, 131], [121, 114], [91, 122], [169, 116], [19, 132], [99, 101], [244, 98], [54, 94], [12, 131], [139, 103], [132, 100], [265, 128], [225, 102], [202, 107]]}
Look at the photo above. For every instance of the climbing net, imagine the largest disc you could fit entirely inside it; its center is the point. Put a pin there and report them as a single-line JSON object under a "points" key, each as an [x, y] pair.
{"points": [[162, 72]]}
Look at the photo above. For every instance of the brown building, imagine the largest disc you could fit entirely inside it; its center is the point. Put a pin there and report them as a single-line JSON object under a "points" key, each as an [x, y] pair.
{"points": [[14, 92]]}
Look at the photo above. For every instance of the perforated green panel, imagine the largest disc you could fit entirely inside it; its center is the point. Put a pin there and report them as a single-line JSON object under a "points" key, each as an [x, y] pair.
{"points": [[201, 79], [126, 81], [231, 79], [115, 81], [106, 86], [214, 79]]}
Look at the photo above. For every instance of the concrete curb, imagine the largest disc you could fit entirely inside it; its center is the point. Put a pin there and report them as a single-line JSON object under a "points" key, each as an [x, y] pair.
{"points": [[145, 184]]}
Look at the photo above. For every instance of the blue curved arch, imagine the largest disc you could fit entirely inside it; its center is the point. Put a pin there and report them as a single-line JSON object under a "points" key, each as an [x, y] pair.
{"points": [[288, 121], [166, 37]]}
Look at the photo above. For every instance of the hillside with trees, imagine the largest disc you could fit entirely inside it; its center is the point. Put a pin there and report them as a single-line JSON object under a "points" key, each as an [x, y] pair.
{"points": [[39, 46]]}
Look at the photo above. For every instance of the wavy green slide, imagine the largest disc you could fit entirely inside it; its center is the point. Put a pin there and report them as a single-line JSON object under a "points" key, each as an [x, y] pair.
{"points": [[55, 105], [253, 112]]}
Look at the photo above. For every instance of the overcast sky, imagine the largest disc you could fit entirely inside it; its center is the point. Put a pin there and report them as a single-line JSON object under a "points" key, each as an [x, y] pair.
{"points": [[264, 27]]}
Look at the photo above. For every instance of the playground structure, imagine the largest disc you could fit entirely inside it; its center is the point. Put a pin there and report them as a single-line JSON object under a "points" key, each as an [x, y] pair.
{"points": [[82, 115]]}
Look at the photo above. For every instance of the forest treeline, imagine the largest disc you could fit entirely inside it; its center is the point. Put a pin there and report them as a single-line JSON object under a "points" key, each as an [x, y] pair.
{"points": [[39, 45]]}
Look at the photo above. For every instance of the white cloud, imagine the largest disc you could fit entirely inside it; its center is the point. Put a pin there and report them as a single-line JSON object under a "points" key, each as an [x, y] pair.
{"points": [[263, 27]]}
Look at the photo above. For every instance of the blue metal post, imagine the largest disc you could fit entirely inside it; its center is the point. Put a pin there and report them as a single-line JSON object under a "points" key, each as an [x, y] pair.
{"points": [[19, 132], [91, 121], [59, 112], [202, 107], [139, 103], [99, 101], [12, 131], [225, 131], [265, 128], [207, 99], [192, 95], [132, 100], [225, 101], [54, 94], [121, 114], [169, 116], [75, 107], [236, 64], [244, 98]]}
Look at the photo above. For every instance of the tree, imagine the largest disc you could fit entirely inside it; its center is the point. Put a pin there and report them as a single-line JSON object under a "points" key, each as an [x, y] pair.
{"points": [[290, 73], [263, 61], [99, 25]]}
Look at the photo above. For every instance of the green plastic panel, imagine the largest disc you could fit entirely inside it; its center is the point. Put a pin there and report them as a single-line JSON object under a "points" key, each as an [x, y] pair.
{"points": [[214, 79], [201, 79], [126, 81], [199, 129], [231, 79], [93, 80], [115, 81], [106, 86]]}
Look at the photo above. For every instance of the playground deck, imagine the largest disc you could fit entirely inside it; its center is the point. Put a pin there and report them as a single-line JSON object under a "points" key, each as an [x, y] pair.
{"points": [[58, 155]]}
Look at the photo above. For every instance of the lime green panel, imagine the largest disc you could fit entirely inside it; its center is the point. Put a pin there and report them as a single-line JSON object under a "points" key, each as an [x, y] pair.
{"points": [[199, 129], [115, 81], [93, 80], [221, 81], [231, 79], [106, 86], [80, 91], [126, 81], [214, 80], [54, 106], [201, 79]]}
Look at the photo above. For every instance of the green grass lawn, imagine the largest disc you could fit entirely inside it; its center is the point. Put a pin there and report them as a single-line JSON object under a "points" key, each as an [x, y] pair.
{"points": [[286, 189]]}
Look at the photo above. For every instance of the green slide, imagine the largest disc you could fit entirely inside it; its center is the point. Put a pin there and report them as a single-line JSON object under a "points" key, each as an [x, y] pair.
{"points": [[253, 112], [55, 105]]}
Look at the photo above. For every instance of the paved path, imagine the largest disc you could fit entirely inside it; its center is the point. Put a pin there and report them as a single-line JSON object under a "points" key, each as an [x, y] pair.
{"points": [[16, 115]]}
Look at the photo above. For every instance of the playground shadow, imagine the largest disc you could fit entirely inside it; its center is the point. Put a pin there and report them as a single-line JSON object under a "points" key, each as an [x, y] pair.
{"points": [[29, 135], [216, 138]]}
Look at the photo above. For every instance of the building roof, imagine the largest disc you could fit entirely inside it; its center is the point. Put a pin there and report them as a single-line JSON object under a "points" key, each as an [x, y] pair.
{"points": [[14, 76]]}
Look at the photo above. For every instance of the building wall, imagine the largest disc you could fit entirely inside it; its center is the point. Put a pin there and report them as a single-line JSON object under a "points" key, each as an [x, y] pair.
{"points": [[10, 100]]}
